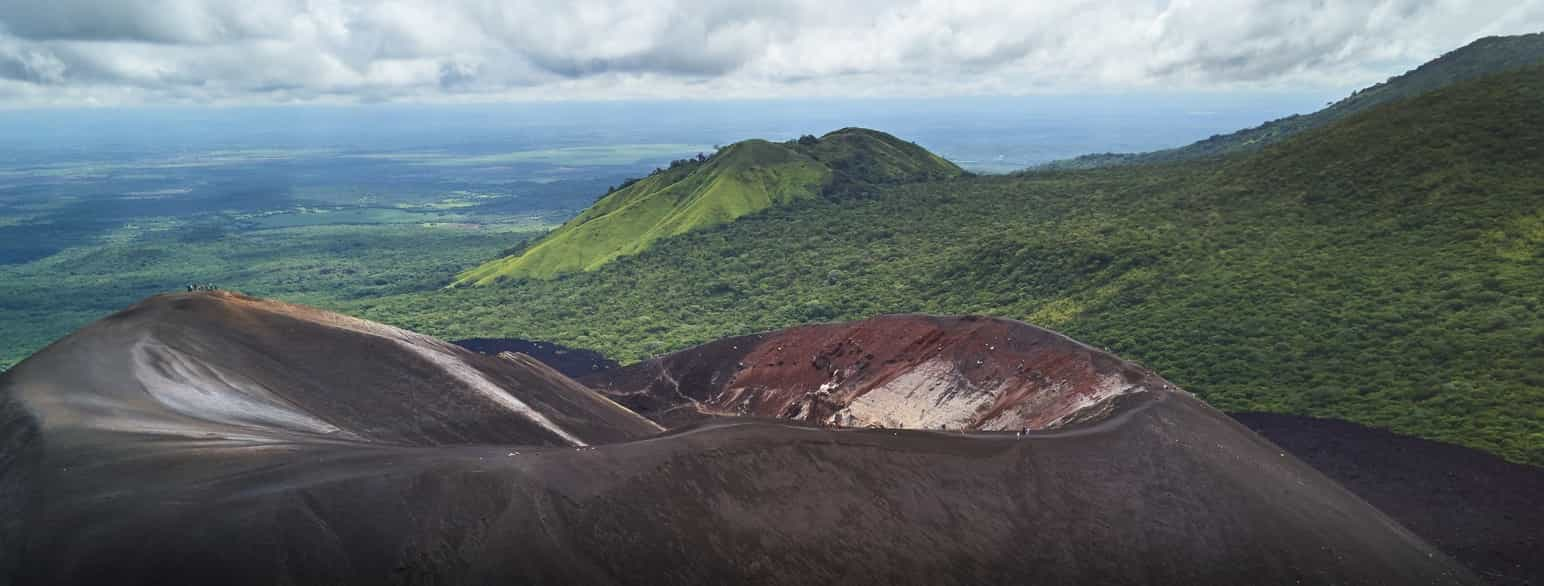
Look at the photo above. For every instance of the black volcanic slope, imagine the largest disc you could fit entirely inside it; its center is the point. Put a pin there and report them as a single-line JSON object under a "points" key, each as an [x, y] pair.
{"points": [[1483, 510], [226, 366], [573, 362], [207, 439]]}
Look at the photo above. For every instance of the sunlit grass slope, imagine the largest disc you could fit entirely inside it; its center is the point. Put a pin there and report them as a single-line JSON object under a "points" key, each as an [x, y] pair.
{"points": [[743, 178]]}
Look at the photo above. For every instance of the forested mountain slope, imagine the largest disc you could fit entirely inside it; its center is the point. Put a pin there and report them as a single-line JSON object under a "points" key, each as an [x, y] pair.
{"points": [[1385, 270], [1485, 56]]}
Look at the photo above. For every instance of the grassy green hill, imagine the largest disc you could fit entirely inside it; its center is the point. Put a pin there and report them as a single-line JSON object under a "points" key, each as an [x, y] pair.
{"points": [[1483, 57], [743, 178], [1387, 269], [861, 159]]}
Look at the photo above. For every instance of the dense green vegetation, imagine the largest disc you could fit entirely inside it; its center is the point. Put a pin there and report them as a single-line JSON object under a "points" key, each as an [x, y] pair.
{"points": [[692, 194], [1483, 57], [323, 266], [1387, 269]]}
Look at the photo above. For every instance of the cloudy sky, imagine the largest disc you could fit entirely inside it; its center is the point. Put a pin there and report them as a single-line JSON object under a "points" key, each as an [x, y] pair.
{"points": [[84, 52]]}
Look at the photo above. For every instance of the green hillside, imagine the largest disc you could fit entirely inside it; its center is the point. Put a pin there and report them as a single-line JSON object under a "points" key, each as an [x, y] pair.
{"points": [[1388, 269], [861, 159], [1483, 57], [743, 178]]}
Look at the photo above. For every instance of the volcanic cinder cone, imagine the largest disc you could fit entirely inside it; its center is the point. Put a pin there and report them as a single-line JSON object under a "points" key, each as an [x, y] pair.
{"points": [[213, 438]]}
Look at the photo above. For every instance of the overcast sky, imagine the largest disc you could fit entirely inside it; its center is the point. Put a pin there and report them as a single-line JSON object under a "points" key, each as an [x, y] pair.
{"points": [[274, 51]]}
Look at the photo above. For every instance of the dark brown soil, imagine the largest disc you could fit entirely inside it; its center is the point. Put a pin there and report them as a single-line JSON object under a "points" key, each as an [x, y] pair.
{"points": [[1170, 492], [1486, 512]]}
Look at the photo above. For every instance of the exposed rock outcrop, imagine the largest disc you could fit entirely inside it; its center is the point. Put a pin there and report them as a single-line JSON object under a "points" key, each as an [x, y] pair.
{"points": [[909, 371]]}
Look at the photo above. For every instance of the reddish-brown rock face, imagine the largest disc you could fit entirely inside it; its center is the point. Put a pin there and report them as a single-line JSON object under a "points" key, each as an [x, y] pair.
{"points": [[910, 371]]}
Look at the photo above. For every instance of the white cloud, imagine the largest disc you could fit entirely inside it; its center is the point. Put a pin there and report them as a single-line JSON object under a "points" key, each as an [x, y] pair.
{"points": [[218, 51]]}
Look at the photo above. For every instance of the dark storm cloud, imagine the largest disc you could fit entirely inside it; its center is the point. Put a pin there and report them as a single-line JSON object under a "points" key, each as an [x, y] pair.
{"points": [[669, 63], [29, 67], [457, 75], [351, 50], [152, 21]]}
